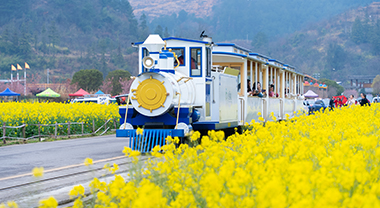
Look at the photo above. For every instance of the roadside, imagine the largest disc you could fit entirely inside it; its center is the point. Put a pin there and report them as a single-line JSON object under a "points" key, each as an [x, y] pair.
{"points": [[51, 139]]}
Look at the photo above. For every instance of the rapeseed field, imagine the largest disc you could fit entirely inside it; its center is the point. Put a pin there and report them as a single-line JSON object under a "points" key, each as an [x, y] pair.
{"points": [[330, 159], [18, 113]]}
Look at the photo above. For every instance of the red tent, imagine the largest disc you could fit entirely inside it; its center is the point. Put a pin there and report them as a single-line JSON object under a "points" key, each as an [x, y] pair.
{"points": [[80, 92], [342, 97]]}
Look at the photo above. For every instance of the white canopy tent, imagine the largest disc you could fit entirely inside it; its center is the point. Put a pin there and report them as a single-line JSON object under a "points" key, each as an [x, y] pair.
{"points": [[310, 94]]}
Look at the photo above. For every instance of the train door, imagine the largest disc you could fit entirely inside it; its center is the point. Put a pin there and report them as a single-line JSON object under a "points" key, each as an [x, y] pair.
{"points": [[208, 83]]}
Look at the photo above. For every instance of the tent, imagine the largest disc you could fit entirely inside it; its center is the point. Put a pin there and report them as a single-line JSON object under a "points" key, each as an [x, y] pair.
{"points": [[48, 93], [8, 92], [342, 97], [99, 93], [310, 94], [80, 92]]}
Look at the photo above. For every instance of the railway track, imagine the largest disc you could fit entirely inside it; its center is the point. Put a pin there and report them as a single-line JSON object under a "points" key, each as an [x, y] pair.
{"points": [[27, 190]]}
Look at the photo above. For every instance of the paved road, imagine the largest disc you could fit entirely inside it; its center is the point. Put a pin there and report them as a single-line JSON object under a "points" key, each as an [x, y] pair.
{"points": [[59, 158], [21, 159]]}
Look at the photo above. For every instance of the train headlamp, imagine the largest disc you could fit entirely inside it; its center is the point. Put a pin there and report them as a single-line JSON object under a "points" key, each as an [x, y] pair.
{"points": [[148, 62]]}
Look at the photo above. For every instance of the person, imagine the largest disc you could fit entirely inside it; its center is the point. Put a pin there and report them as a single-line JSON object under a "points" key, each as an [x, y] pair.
{"points": [[181, 61], [123, 102], [340, 102], [257, 92], [271, 90], [364, 101], [331, 103], [351, 100], [249, 90]]}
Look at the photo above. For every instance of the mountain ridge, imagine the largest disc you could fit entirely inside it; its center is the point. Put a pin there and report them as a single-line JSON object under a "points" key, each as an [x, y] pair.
{"points": [[200, 8], [329, 47]]}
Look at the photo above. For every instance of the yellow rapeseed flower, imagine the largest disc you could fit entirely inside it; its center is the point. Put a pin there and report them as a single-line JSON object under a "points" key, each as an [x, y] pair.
{"points": [[139, 131], [330, 159], [12, 204], [50, 202], [88, 162], [77, 190], [38, 171]]}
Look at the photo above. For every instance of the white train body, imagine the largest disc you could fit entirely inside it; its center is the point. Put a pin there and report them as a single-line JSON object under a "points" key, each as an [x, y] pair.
{"points": [[199, 90]]}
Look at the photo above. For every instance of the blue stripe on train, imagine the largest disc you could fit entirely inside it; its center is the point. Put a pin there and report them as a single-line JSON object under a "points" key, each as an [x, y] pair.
{"points": [[185, 116]]}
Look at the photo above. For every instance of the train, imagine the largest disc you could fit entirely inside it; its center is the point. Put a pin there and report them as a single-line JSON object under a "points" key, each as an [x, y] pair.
{"points": [[187, 85]]}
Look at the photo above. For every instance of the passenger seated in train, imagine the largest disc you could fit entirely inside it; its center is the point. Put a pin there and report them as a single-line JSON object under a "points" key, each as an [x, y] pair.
{"points": [[249, 90], [287, 91], [257, 92], [271, 91], [181, 60]]}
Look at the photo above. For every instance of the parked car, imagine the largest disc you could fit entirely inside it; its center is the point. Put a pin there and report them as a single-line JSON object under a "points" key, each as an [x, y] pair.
{"points": [[99, 99], [122, 99], [308, 102], [317, 106], [376, 100]]}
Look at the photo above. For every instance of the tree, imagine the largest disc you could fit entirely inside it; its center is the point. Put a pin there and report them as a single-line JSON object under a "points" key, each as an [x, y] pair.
{"points": [[333, 86], [159, 30], [336, 57], [375, 38], [53, 35], [43, 39], [24, 46], [103, 64], [259, 40], [376, 85], [89, 79], [357, 34], [166, 33], [116, 77], [6, 34], [118, 60], [144, 29]]}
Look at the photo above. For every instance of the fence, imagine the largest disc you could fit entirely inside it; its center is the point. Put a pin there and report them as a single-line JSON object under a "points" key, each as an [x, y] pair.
{"points": [[58, 129]]}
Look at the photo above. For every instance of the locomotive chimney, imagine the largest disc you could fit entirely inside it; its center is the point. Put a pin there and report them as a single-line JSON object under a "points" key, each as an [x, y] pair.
{"points": [[154, 44]]}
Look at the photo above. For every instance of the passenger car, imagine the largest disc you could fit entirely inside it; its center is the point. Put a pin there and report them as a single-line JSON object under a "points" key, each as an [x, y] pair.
{"points": [[99, 99], [317, 106]]}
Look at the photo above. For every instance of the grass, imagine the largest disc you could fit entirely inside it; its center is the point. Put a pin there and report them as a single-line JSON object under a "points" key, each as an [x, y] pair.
{"points": [[10, 142]]}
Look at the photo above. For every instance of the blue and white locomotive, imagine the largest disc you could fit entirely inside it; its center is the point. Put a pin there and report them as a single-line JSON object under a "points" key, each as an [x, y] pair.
{"points": [[181, 88]]}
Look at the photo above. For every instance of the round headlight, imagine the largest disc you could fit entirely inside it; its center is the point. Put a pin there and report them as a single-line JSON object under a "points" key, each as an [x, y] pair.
{"points": [[148, 62]]}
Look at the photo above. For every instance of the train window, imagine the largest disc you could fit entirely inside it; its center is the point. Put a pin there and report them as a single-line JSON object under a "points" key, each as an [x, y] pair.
{"points": [[180, 52], [145, 53], [196, 62], [208, 62]]}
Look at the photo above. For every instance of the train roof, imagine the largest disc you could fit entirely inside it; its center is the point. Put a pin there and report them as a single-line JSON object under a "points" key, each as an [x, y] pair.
{"points": [[238, 51], [180, 39]]}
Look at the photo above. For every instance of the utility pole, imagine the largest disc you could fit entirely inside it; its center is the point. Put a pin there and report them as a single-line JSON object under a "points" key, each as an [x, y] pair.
{"points": [[47, 77], [26, 67]]}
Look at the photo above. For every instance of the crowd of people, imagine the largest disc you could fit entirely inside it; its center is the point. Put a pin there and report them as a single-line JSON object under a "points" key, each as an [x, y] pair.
{"points": [[334, 102], [338, 102], [258, 91]]}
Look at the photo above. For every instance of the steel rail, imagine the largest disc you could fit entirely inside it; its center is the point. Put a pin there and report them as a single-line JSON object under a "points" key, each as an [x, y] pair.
{"points": [[65, 176]]}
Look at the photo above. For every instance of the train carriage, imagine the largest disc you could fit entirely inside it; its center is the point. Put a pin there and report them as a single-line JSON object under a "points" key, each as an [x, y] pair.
{"points": [[186, 85]]}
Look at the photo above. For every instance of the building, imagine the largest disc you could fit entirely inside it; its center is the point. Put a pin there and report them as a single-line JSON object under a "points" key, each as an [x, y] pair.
{"points": [[359, 82]]}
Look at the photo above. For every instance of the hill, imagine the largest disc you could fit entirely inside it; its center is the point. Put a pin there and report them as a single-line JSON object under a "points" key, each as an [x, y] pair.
{"points": [[200, 8], [347, 44], [243, 19], [67, 35]]}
